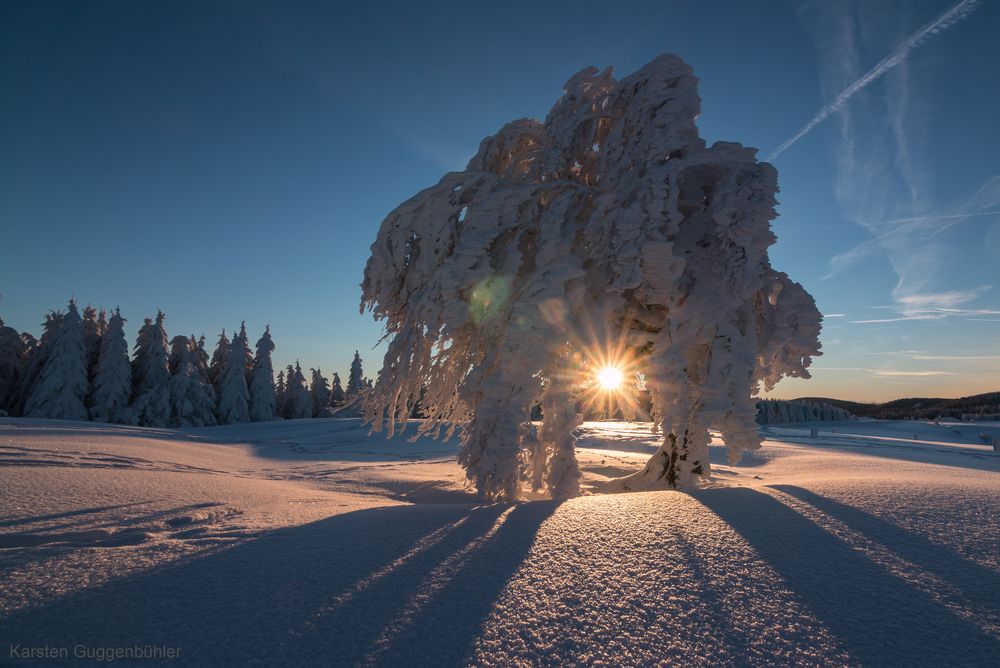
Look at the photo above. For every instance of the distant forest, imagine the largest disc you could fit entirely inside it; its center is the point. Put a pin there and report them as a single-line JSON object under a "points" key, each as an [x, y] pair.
{"points": [[968, 409], [81, 369]]}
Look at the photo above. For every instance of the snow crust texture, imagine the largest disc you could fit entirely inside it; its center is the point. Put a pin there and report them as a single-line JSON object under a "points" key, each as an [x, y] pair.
{"points": [[309, 543], [609, 226]]}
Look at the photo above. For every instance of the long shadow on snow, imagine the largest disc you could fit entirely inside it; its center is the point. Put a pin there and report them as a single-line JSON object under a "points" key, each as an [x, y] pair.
{"points": [[880, 619], [327, 439], [323, 593], [94, 531], [98, 430], [977, 583], [309, 440]]}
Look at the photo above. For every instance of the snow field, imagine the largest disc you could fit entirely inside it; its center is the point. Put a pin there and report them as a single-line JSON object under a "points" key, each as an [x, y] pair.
{"points": [[310, 543]]}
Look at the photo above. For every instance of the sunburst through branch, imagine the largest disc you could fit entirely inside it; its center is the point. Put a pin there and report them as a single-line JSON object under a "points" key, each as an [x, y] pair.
{"points": [[609, 378]]}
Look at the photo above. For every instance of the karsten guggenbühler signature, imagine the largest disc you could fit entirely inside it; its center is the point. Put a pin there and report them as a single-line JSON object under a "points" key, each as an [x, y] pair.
{"points": [[100, 653]]}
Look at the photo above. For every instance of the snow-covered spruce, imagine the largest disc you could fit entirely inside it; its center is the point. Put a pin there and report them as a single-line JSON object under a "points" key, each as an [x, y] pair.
{"points": [[248, 357], [612, 216], [355, 381], [151, 374], [263, 397], [284, 392], [295, 402], [319, 395], [778, 411], [336, 392], [94, 326], [280, 395], [36, 354], [61, 389], [201, 355], [192, 399], [219, 357], [12, 358], [112, 387], [234, 396]]}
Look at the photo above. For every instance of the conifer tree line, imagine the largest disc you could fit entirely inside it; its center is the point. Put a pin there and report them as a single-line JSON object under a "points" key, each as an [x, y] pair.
{"points": [[780, 411], [81, 369]]}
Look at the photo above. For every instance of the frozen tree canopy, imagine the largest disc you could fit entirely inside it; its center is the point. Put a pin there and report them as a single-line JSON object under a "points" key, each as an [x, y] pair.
{"points": [[608, 234]]}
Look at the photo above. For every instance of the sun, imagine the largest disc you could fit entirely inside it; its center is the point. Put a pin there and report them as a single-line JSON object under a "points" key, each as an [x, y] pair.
{"points": [[610, 378]]}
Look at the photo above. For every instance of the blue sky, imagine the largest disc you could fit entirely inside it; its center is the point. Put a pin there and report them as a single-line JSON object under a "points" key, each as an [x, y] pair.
{"points": [[233, 160]]}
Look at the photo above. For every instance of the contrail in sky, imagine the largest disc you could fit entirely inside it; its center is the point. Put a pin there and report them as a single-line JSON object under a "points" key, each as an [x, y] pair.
{"points": [[946, 20]]}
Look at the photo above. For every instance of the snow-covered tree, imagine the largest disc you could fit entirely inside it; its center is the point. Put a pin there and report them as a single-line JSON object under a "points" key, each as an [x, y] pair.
{"points": [[248, 357], [201, 355], [234, 396], [561, 474], [279, 394], [12, 358], [151, 374], [297, 402], [94, 325], [219, 358], [61, 388], [778, 411], [111, 389], [192, 399], [336, 392], [180, 345], [263, 396], [607, 235], [37, 352], [356, 379], [284, 397], [319, 395], [418, 406]]}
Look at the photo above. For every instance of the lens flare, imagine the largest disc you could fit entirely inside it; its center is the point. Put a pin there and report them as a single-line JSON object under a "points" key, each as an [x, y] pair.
{"points": [[610, 378], [601, 366]]}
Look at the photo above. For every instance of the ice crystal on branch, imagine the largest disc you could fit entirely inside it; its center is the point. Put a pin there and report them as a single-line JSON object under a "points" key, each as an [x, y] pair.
{"points": [[611, 217]]}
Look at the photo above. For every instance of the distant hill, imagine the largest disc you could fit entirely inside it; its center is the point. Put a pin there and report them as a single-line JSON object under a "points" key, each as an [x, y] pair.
{"points": [[978, 407]]}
